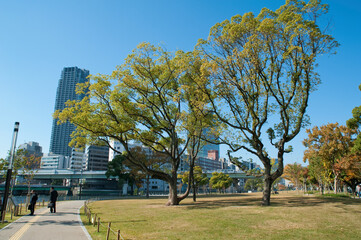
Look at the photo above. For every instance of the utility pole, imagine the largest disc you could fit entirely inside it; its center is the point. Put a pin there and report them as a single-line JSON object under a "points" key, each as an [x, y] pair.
{"points": [[9, 171]]}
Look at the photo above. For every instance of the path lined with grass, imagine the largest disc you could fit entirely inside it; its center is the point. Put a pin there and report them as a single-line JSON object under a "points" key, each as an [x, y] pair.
{"points": [[64, 224], [291, 216]]}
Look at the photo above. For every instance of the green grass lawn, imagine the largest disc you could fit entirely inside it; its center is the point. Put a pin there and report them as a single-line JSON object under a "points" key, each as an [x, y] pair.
{"points": [[291, 216]]}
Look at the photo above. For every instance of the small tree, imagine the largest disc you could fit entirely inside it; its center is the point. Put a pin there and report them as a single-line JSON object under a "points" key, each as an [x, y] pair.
{"points": [[30, 167], [254, 184], [116, 168], [24, 162], [199, 179], [220, 181], [131, 174], [293, 172]]}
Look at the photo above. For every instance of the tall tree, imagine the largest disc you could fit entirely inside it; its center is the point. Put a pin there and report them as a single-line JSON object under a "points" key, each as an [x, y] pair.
{"points": [[329, 143], [144, 100], [317, 172], [350, 166], [294, 173], [260, 70], [349, 170], [355, 123]]}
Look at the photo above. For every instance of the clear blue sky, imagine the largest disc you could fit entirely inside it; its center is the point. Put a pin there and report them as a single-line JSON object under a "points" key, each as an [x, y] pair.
{"points": [[39, 38]]}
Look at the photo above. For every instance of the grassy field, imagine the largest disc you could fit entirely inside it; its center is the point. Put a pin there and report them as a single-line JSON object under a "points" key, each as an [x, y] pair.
{"points": [[291, 216]]}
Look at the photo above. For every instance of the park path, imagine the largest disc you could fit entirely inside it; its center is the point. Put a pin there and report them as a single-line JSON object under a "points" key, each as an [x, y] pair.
{"points": [[64, 224]]}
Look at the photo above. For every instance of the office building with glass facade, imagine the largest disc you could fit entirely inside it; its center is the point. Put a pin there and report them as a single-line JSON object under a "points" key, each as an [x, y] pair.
{"points": [[60, 134]]}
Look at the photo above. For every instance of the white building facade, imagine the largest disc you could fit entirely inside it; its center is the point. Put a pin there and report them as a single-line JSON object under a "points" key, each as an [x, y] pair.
{"points": [[54, 161]]}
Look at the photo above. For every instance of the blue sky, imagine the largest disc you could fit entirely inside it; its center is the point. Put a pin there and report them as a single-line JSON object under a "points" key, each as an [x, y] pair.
{"points": [[39, 38]]}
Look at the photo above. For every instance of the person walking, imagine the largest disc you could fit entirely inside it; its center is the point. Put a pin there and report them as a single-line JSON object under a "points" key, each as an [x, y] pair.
{"points": [[53, 198], [33, 199]]}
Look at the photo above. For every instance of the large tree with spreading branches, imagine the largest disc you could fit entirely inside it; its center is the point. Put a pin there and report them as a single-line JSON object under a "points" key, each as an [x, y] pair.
{"points": [[259, 72], [148, 100]]}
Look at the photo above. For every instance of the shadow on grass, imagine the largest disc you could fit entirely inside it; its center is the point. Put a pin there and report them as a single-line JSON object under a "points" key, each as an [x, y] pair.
{"points": [[276, 201]]}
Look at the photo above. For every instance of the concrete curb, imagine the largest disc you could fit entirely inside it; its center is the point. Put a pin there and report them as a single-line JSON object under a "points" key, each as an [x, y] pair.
{"points": [[82, 225]]}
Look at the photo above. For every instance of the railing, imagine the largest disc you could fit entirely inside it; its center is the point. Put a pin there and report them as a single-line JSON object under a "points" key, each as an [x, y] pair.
{"points": [[95, 221]]}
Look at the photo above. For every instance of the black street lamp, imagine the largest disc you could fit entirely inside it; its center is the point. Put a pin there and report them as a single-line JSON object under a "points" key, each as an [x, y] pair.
{"points": [[9, 171]]}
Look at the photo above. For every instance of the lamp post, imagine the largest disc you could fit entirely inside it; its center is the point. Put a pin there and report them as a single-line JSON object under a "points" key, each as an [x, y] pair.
{"points": [[80, 183], [9, 171]]}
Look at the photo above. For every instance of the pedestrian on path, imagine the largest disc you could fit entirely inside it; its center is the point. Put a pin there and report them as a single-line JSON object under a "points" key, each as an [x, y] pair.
{"points": [[53, 198], [358, 190], [33, 199]]}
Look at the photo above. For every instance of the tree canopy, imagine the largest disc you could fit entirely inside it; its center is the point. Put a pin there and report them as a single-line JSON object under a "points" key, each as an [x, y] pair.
{"points": [[294, 173], [260, 70], [147, 100], [253, 76], [328, 144], [25, 162], [220, 181]]}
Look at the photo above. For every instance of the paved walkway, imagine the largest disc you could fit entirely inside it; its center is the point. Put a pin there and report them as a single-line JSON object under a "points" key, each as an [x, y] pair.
{"points": [[64, 224]]}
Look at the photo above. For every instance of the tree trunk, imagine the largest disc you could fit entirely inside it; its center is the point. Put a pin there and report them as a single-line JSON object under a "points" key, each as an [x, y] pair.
{"points": [[266, 199], [345, 189], [131, 188], [353, 187], [322, 189], [304, 185], [335, 185], [191, 181], [147, 192], [194, 193], [270, 178], [173, 197]]}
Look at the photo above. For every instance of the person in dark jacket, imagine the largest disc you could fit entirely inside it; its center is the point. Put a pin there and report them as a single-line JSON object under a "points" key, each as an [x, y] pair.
{"points": [[53, 198], [33, 199]]}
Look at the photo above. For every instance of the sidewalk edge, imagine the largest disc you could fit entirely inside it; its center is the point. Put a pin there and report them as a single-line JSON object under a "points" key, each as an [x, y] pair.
{"points": [[82, 225]]}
